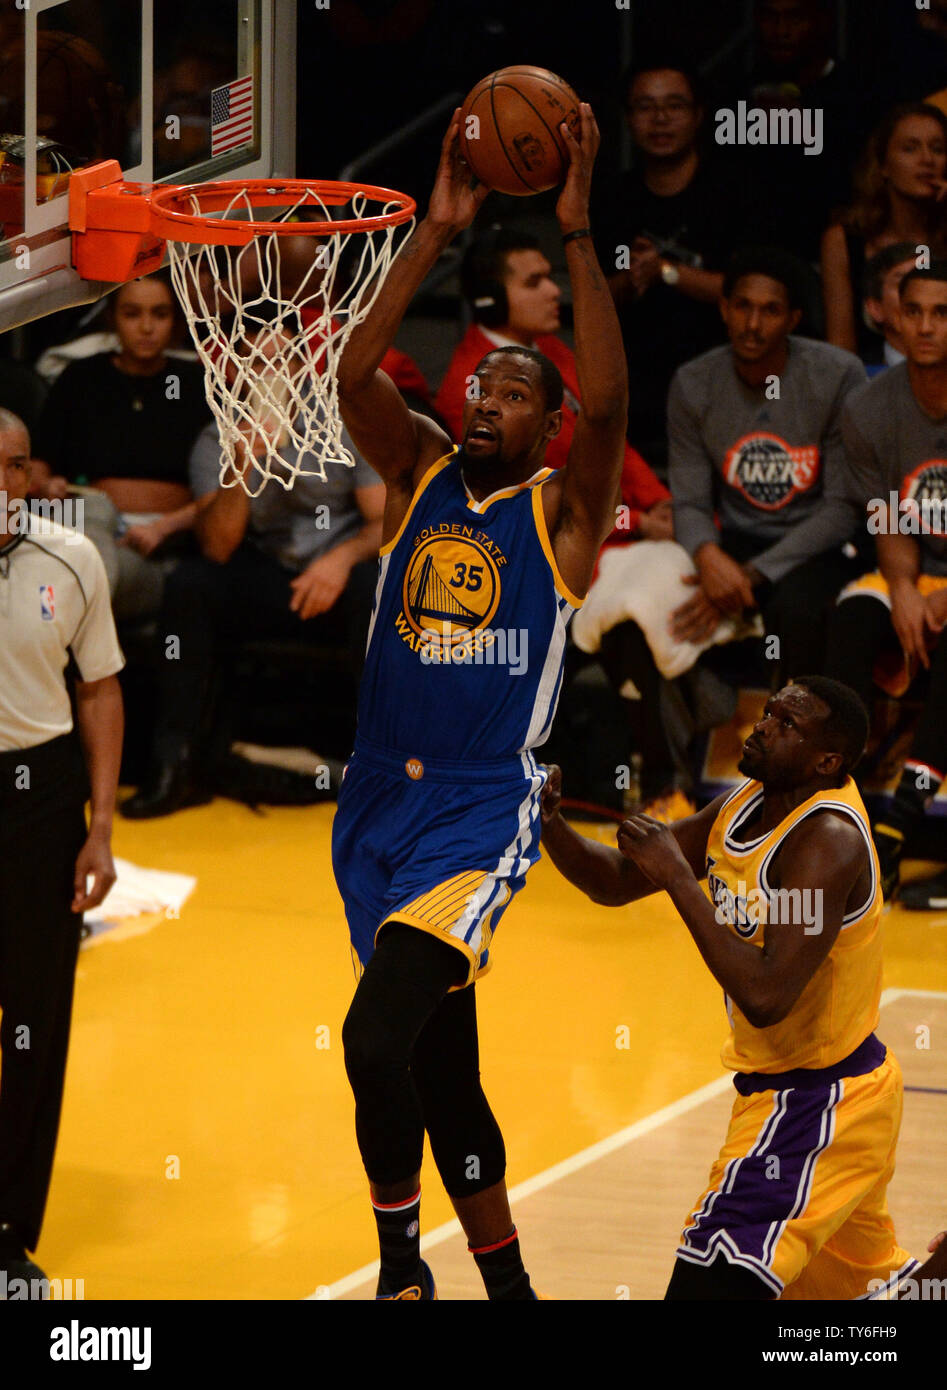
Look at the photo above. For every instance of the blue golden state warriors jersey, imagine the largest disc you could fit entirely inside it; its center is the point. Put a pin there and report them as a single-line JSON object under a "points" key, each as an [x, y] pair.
{"points": [[468, 631]]}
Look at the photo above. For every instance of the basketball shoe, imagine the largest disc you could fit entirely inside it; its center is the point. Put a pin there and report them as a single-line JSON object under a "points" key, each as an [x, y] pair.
{"points": [[424, 1291]]}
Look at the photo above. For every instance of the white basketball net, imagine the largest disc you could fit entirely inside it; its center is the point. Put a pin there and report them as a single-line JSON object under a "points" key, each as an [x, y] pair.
{"points": [[271, 341]]}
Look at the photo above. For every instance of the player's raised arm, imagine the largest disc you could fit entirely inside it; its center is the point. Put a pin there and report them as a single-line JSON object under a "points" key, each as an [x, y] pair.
{"points": [[583, 503], [602, 872], [392, 438]]}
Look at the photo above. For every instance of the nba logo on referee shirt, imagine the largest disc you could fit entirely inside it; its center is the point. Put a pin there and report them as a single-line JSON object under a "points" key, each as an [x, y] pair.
{"points": [[47, 603]]}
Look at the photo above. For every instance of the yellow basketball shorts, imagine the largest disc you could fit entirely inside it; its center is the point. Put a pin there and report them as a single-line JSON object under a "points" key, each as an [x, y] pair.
{"points": [[874, 585], [798, 1191]]}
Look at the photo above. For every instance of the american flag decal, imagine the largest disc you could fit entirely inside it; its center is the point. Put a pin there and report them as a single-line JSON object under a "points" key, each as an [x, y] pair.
{"points": [[231, 116]]}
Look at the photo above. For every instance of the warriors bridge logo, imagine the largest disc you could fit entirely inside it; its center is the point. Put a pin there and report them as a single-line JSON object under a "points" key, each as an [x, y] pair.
{"points": [[768, 471], [451, 589]]}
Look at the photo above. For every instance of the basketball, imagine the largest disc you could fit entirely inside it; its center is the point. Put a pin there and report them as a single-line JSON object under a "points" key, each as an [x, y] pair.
{"points": [[509, 129]]}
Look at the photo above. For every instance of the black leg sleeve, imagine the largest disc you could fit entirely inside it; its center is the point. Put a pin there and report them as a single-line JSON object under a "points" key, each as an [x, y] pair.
{"points": [[465, 1138], [404, 982]]}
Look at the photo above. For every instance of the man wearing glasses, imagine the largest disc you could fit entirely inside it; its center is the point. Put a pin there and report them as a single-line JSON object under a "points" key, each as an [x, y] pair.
{"points": [[664, 236]]}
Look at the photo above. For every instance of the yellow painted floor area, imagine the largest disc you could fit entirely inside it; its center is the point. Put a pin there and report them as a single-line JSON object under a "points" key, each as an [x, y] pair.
{"points": [[207, 1146]]}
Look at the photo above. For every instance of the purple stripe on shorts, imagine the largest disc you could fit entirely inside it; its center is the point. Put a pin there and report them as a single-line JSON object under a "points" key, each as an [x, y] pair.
{"points": [[769, 1185]]}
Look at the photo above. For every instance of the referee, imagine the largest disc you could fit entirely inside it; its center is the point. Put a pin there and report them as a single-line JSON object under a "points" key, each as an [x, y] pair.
{"points": [[54, 605]]}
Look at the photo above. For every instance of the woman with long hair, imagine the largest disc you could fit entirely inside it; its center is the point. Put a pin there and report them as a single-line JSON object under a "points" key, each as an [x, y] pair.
{"points": [[900, 195]]}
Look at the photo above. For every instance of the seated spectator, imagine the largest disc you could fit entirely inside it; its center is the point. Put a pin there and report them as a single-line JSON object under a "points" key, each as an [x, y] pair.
{"points": [[297, 565], [507, 281], [54, 360], [758, 473], [883, 276], [664, 233], [791, 189], [123, 424], [899, 196], [895, 432]]}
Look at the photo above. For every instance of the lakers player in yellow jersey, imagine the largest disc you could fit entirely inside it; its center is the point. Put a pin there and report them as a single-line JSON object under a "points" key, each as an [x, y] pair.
{"points": [[796, 1202]]}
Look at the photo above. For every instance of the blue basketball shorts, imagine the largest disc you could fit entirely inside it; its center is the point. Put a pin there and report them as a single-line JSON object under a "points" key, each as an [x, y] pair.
{"points": [[441, 846]]}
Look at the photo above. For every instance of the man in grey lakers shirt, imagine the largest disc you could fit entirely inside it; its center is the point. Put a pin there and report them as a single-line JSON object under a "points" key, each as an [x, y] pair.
{"points": [[757, 467], [895, 433]]}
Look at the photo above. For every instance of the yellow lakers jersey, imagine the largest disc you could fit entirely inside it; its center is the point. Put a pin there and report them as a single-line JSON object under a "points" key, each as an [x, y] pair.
{"points": [[839, 1006]]}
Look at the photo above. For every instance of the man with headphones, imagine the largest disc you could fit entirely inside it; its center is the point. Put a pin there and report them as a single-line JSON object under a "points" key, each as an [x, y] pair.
{"points": [[507, 282]]}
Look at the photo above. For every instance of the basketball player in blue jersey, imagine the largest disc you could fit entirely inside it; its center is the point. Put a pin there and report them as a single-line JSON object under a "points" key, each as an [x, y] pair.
{"points": [[796, 1203], [485, 556]]}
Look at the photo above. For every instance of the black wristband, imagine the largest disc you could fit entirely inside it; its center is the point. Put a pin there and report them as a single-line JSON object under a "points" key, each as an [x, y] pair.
{"points": [[574, 236]]}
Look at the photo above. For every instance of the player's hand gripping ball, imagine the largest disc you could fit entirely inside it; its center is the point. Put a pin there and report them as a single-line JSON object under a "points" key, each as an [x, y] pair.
{"points": [[509, 129]]}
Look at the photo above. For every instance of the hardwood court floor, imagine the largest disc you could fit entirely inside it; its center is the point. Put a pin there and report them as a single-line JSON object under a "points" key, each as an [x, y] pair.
{"points": [[207, 1147]]}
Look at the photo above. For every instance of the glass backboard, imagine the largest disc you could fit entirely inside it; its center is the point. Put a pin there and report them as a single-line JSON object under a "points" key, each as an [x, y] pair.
{"points": [[177, 91]]}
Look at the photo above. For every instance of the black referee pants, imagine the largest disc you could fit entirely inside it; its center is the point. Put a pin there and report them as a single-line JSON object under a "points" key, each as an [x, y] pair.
{"points": [[42, 829]]}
